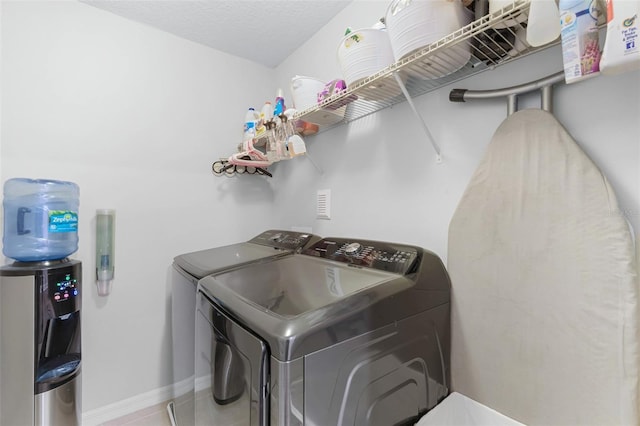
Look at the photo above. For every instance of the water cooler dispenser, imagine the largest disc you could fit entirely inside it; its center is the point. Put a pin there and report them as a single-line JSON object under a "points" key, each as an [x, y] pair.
{"points": [[40, 343], [40, 301]]}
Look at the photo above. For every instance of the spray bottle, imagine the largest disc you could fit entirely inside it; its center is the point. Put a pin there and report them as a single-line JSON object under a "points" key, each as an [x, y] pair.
{"points": [[267, 120], [279, 108]]}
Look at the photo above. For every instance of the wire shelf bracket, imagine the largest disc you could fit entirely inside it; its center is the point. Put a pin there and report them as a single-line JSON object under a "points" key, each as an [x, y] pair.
{"points": [[406, 94]]}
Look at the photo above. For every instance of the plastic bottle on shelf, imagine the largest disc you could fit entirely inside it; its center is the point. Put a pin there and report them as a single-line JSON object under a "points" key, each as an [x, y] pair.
{"points": [[280, 107], [266, 127], [250, 122], [266, 113]]}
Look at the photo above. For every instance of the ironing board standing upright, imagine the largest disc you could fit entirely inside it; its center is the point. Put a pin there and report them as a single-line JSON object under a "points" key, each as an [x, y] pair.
{"points": [[544, 280]]}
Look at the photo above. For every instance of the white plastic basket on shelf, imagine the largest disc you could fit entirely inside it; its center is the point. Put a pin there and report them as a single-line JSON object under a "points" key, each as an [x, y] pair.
{"points": [[415, 24], [496, 6], [363, 53], [304, 91]]}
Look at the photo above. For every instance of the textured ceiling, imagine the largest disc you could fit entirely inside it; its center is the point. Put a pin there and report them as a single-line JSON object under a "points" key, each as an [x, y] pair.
{"points": [[264, 31]]}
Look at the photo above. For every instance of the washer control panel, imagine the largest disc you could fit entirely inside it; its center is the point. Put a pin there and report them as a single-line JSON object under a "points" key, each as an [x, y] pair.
{"points": [[288, 240], [385, 256]]}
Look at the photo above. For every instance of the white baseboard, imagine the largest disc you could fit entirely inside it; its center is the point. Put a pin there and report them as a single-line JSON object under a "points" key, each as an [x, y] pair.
{"points": [[203, 382], [183, 386], [130, 405]]}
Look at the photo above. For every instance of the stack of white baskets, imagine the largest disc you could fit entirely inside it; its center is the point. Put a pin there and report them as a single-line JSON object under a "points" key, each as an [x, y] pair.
{"points": [[410, 25]]}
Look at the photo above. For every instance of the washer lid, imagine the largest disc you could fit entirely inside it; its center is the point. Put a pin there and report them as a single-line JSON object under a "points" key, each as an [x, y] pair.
{"points": [[267, 245], [334, 290], [297, 302], [206, 262], [296, 286]]}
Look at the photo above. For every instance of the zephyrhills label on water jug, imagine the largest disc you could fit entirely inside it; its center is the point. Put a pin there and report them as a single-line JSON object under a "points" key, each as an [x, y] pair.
{"points": [[63, 221]]}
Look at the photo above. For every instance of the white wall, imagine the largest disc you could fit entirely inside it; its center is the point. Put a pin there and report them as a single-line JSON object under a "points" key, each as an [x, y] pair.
{"points": [[135, 116], [381, 169], [1, 213]]}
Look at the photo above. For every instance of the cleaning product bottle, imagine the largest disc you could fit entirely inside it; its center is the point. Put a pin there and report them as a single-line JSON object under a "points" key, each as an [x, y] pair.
{"points": [[579, 34], [266, 120], [279, 109], [264, 117], [266, 113], [250, 121], [621, 51]]}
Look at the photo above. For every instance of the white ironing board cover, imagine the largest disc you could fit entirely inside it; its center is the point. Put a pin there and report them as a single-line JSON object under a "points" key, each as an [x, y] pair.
{"points": [[545, 290]]}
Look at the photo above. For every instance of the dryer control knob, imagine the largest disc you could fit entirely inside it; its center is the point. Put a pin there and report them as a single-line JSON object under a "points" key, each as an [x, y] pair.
{"points": [[352, 249], [277, 237]]}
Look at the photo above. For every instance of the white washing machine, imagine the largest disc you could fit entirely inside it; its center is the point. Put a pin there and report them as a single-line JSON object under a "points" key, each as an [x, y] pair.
{"points": [[188, 268], [348, 332]]}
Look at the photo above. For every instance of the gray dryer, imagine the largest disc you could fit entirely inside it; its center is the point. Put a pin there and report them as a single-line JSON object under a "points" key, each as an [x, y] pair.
{"points": [[188, 268]]}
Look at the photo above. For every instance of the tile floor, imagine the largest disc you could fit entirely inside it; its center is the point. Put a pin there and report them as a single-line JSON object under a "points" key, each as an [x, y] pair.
{"points": [[152, 416], [157, 415]]}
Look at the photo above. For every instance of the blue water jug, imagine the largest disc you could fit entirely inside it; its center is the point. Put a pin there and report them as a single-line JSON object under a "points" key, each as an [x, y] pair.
{"points": [[40, 219]]}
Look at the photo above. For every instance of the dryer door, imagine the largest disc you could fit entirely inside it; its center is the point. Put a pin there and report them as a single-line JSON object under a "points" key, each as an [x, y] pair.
{"points": [[232, 373]]}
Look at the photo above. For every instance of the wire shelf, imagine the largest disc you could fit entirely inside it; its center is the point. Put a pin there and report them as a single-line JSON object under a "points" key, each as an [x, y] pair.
{"points": [[493, 40]]}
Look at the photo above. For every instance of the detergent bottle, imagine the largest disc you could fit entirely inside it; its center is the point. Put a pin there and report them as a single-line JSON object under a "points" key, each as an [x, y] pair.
{"points": [[579, 35], [621, 51]]}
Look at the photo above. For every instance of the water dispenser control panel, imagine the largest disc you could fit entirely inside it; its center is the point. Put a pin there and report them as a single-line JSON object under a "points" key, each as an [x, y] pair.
{"points": [[389, 257], [64, 290]]}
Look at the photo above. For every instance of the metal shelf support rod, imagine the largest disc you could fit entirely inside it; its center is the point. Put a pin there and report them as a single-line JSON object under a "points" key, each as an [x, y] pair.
{"points": [[547, 97], [318, 168], [512, 103], [418, 116], [544, 85]]}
